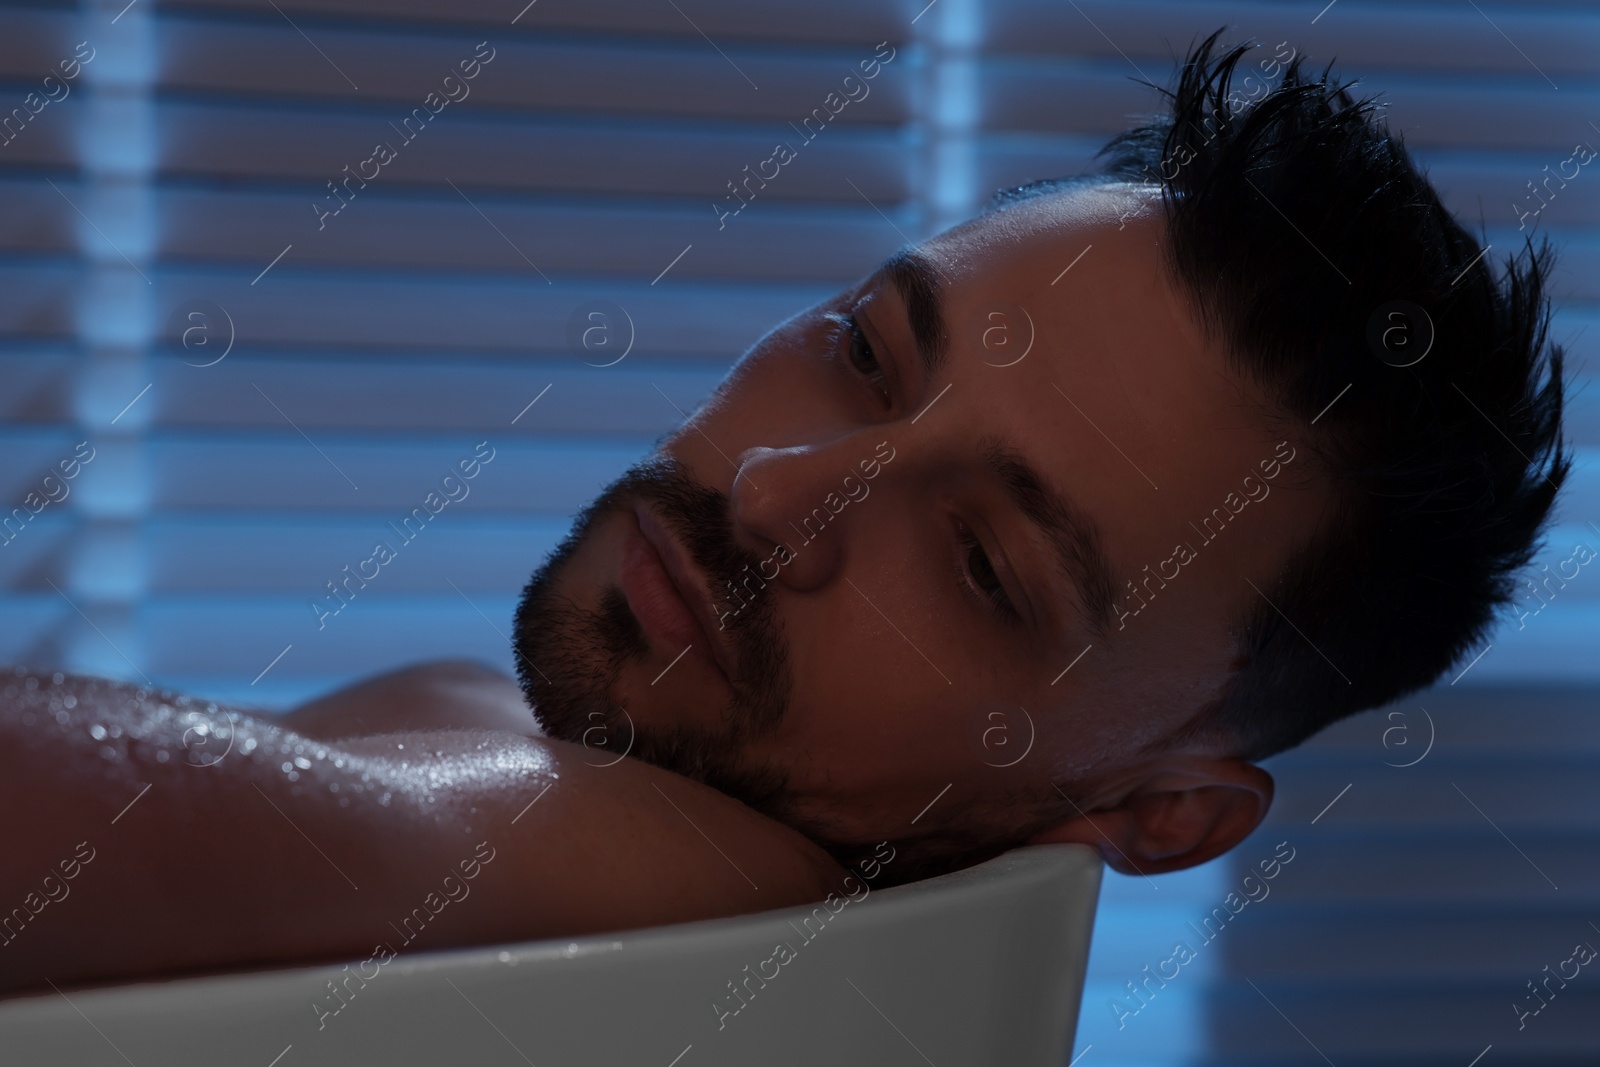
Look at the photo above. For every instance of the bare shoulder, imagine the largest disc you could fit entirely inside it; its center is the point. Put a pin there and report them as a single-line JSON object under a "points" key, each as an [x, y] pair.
{"points": [[162, 805], [451, 694]]}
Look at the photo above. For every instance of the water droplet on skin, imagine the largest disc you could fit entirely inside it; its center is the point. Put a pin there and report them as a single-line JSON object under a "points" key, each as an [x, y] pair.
{"points": [[402, 748], [294, 776], [505, 957], [333, 787], [70, 701], [162, 755], [303, 763], [97, 732], [107, 752], [384, 800], [249, 745], [287, 766], [57, 678], [62, 718]]}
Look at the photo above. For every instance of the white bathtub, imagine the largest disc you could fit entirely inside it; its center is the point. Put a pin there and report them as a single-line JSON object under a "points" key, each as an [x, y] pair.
{"points": [[984, 966]]}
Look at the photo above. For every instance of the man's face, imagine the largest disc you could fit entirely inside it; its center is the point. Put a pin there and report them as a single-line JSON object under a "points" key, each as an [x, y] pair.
{"points": [[879, 585]]}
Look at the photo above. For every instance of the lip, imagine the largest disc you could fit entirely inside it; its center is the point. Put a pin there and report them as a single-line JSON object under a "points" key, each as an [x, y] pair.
{"points": [[667, 594]]}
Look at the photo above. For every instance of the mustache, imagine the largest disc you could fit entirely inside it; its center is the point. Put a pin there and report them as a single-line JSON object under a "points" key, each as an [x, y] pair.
{"points": [[569, 656], [700, 517]]}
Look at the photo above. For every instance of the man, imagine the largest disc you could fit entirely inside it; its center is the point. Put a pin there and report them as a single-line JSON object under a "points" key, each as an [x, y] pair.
{"points": [[1045, 531]]}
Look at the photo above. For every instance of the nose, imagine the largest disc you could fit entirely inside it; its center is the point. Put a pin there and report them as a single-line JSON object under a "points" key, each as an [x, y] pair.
{"points": [[804, 499]]}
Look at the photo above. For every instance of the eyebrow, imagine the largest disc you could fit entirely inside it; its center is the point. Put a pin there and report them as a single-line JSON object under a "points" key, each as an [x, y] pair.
{"points": [[1074, 535], [917, 280]]}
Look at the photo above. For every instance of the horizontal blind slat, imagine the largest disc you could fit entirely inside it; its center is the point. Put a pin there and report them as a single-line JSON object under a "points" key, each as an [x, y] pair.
{"points": [[838, 21], [521, 152], [1364, 37], [267, 57]]}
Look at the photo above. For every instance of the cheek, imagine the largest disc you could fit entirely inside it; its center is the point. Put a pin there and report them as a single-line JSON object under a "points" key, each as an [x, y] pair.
{"points": [[882, 689]]}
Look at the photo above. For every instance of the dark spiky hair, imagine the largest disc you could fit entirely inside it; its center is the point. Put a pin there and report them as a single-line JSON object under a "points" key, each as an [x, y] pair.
{"points": [[1302, 228]]}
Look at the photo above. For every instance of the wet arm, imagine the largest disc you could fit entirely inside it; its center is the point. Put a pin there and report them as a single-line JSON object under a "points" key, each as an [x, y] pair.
{"points": [[272, 847]]}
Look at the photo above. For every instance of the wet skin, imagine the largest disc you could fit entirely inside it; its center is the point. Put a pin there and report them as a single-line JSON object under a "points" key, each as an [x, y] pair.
{"points": [[218, 839]]}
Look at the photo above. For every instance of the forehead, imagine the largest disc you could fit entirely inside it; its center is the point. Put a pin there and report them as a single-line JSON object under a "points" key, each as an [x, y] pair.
{"points": [[1084, 260]]}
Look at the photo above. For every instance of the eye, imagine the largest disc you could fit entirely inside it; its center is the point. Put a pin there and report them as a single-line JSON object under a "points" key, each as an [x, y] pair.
{"points": [[862, 358], [977, 575]]}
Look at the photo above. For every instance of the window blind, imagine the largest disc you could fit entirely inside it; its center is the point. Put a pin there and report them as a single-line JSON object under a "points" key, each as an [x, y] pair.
{"points": [[277, 342]]}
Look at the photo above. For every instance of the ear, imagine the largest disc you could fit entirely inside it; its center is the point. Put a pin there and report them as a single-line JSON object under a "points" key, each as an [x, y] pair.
{"points": [[1177, 812]]}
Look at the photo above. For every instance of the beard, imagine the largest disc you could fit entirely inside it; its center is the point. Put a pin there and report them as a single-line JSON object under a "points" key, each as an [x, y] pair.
{"points": [[570, 656]]}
